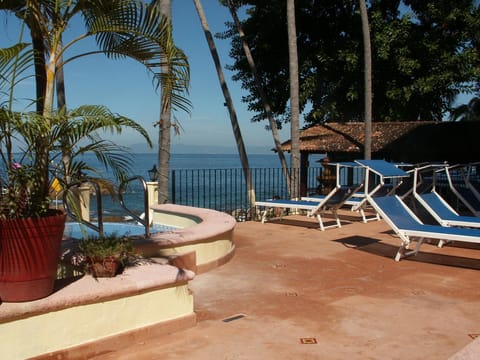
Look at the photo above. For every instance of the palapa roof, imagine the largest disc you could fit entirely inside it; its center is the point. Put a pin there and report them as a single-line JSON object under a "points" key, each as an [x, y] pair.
{"points": [[413, 141], [350, 137]]}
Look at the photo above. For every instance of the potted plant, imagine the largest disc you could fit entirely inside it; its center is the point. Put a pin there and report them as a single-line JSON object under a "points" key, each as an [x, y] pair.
{"points": [[105, 256], [30, 231], [37, 146]]}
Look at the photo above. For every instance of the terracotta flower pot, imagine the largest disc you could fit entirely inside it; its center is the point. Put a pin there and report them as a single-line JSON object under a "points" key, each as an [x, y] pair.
{"points": [[29, 255], [107, 267]]}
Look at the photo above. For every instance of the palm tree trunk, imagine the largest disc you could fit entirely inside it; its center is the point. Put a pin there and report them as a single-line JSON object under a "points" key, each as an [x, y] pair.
{"points": [[39, 56], [165, 123], [62, 104], [42, 151], [294, 100], [263, 96], [228, 100], [367, 56]]}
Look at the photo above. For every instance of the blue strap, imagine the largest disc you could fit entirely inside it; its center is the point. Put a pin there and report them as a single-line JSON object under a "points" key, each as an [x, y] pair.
{"points": [[392, 208], [383, 168]]}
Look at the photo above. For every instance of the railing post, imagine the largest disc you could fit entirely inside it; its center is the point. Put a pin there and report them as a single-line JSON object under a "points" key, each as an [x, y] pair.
{"points": [[152, 191], [174, 192], [84, 201]]}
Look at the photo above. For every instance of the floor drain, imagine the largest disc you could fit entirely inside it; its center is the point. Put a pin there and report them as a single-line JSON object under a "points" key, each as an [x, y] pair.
{"points": [[474, 336], [308, 340], [233, 318]]}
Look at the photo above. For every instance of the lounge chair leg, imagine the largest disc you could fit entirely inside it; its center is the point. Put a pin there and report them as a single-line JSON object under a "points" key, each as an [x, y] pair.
{"points": [[401, 251], [335, 213], [443, 242], [399, 254], [364, 217], [320, 222], [417, 248], [264, 215]]}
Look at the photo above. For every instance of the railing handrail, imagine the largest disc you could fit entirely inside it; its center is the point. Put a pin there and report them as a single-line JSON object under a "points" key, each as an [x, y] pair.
{"points": [[73, 214], [146, 220]]}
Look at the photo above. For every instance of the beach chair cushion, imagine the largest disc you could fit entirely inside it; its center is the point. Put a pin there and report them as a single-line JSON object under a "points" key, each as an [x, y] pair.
{"points": [[405, 223], [443, 212]]}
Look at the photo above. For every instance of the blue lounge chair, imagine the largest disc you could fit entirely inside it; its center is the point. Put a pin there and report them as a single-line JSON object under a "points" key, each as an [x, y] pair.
{"points": [[390, 177], [408, 226], [436, 205], [343, 177], [466, 192], [332, 201], [443, 213]]}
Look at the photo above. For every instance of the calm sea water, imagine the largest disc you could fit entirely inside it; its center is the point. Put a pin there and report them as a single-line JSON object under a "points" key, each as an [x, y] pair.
{"points": [[141, 163]]}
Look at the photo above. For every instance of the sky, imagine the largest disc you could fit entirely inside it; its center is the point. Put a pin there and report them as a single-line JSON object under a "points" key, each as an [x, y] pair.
{"points": [[125, 87]]}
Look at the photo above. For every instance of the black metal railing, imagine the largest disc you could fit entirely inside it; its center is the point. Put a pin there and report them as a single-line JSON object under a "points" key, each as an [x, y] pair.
{"points": [[226, 190]]}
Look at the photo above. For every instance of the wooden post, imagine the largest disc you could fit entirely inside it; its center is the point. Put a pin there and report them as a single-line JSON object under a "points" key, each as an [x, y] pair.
{"points": [[303, 173]]}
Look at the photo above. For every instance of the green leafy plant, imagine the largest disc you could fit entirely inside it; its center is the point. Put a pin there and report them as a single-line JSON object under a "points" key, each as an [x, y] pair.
{"points": [[104, 256], [27, 137], [51, 137], [94, 252], [112, 245]]}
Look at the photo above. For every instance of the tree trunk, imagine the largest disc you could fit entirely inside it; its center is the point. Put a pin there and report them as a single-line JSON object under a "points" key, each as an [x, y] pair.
{"points": [[367, 56], [294, 100], [228, 100], [40, 65], [263, 96], [42, 146], [62, 104], [165, 124]]}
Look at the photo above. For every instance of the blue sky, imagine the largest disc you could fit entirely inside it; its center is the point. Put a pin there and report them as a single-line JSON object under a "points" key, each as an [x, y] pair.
{"points": [[125, 87]]}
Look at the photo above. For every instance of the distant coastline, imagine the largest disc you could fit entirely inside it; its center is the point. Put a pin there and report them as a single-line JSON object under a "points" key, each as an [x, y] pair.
{"points": [[141, 148]]}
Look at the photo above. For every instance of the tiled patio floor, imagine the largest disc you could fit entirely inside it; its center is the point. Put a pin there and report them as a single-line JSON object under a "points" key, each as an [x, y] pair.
{"points": [[338, 294]]}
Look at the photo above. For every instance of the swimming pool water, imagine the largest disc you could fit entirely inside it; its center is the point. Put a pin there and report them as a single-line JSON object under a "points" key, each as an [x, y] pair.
{"points": [[76, 231]]}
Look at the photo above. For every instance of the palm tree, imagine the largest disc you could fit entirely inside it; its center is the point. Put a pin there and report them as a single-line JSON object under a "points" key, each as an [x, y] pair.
{"points": [[367, 56], [294, 100], [229, 103], [467, 112], [80, 126], [261, 91], [122, 28], [165, 121]]}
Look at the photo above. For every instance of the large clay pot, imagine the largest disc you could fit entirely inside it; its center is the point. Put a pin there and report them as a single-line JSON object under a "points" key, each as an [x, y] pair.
{"points": [[29, 255]]}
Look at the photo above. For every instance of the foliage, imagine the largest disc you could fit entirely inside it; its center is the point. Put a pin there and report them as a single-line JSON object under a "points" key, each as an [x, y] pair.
{"points": [[120, 247], [122, 28], [424, 54], [22, 133], [467, 112]]}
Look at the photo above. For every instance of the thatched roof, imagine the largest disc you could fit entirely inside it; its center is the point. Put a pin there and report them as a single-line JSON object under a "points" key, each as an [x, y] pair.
{"points": [[397, 141]]}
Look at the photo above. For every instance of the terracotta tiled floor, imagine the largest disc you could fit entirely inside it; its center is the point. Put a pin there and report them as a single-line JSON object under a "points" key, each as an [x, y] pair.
{"points": [[294, 292]]}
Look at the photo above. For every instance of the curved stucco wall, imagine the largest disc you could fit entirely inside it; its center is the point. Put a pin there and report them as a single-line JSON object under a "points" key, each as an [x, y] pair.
{"points": [[205, 233]]}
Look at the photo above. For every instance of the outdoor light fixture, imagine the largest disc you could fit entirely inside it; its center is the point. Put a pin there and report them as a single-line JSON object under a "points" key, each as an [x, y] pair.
{"points": [[153, 173]]}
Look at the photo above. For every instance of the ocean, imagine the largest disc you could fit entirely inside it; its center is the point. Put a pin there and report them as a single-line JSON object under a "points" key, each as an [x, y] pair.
{"points": [[187, 165]]}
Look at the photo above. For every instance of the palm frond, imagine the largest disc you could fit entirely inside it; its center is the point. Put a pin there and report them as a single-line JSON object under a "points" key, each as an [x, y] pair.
{"points": [[86, 120], [132, 29], [15, 61], [110, 155], [79, 131]]}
